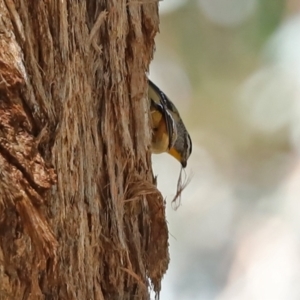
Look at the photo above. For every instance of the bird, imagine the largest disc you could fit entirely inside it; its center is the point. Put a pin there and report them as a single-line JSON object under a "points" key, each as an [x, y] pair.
{"points": [[169, 133]]}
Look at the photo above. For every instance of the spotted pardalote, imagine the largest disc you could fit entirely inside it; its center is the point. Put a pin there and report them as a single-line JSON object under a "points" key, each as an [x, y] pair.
{"points": [[169, 133]]}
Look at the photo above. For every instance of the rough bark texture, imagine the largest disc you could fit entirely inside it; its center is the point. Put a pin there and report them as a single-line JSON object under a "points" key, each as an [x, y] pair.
{"points": [[80, 216]]}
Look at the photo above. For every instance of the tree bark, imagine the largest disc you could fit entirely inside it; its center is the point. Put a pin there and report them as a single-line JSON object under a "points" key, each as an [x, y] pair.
{"points": [[80, 215]]}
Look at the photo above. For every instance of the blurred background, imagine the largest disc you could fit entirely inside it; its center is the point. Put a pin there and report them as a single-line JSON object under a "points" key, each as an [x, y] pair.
{"points": [[232, 67]]}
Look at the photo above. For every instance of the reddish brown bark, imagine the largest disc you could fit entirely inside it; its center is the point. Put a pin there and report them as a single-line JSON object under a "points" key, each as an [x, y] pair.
{"points": [[80, 216]]}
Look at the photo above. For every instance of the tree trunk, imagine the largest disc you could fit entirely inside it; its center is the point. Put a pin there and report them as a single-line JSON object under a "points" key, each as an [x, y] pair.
{"points": [[80, 216]]}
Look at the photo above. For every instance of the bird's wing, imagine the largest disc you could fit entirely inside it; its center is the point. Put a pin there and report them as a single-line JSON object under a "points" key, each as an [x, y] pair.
{"points": [[159, 108]]}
